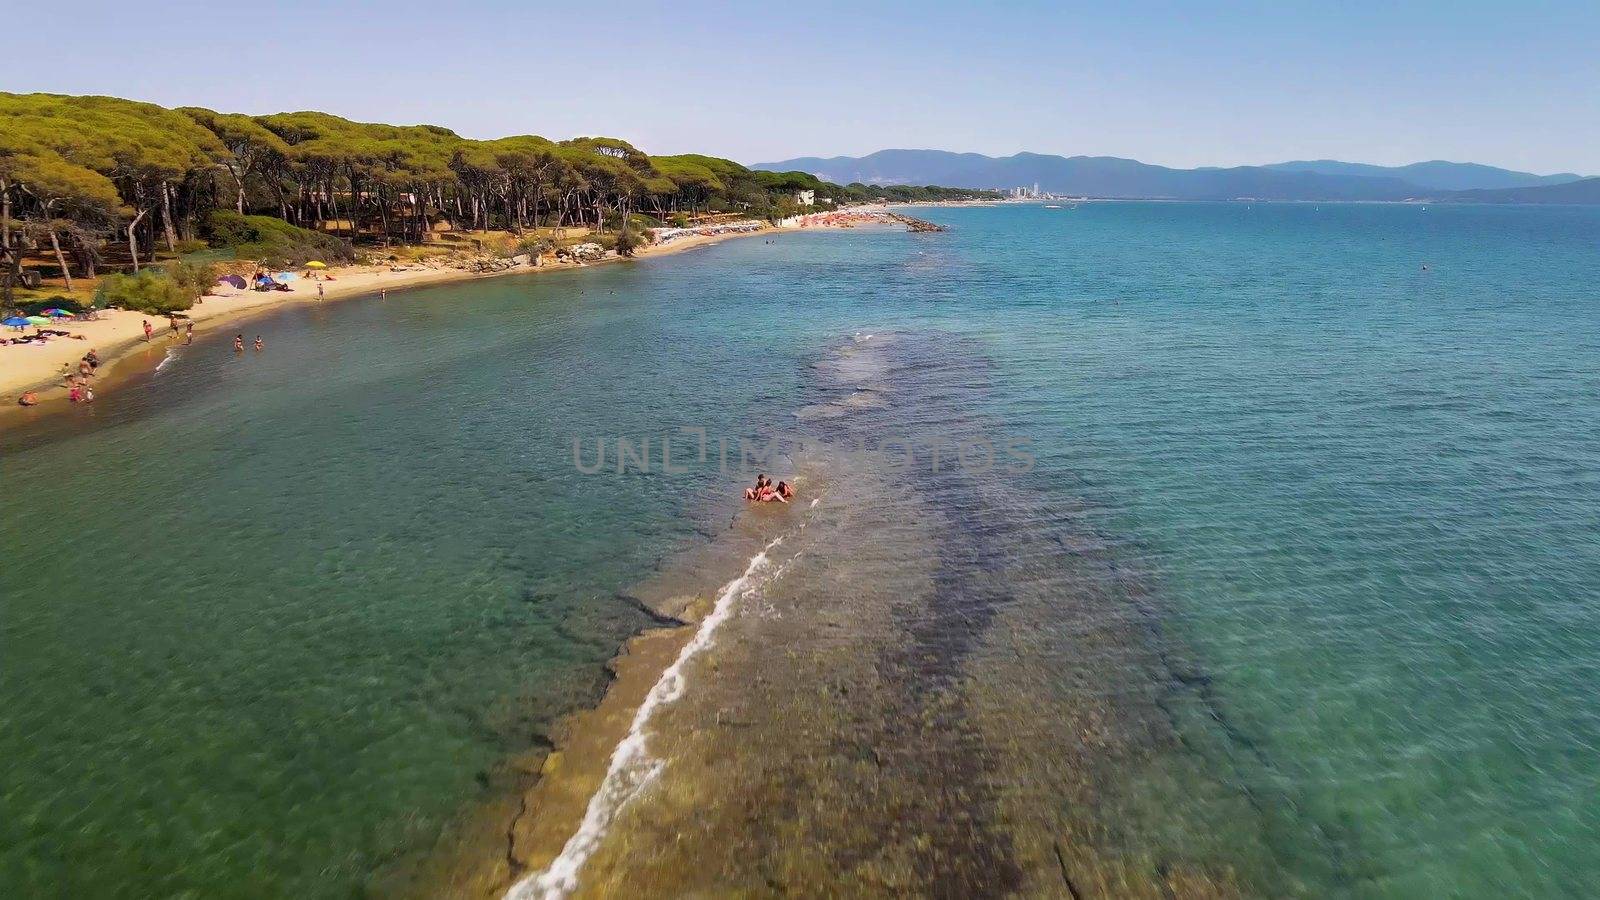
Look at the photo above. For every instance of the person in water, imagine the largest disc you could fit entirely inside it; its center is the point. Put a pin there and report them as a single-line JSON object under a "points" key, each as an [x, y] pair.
{"points": [[258, 343], [238, 343]]}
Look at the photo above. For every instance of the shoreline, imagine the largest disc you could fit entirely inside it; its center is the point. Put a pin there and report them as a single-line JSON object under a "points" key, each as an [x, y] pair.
{"points": [[548, 807], [118, 337]]}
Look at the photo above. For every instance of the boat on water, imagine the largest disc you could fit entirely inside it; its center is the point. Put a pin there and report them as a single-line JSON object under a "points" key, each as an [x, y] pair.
{"points": [[1052, 206]]}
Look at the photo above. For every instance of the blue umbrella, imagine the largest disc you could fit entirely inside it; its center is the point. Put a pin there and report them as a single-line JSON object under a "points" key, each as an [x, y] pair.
{"points": [[15, 322]]}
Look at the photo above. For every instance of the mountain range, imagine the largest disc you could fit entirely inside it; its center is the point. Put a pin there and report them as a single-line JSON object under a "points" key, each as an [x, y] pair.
{"points": [[1108, 176]]}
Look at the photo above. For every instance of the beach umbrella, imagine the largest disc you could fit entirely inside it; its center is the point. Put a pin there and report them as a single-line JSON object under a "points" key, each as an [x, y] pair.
{"points": [[57, 312], [15, 322], [38, 320], [286, 276], [316, 264], [234, 280]]}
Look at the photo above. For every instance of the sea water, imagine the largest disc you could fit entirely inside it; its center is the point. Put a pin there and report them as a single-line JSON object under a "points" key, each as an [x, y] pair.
{"points": [[1319, 481]]}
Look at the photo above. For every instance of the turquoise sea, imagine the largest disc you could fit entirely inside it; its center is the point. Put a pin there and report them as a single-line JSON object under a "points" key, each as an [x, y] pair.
{"points": [[274, 623]]}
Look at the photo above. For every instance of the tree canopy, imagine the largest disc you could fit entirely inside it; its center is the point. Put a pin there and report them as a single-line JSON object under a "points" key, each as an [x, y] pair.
{"points": [[86, 168]]}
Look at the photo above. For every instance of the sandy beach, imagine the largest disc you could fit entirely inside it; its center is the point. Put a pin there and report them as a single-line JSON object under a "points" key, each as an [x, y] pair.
{"points": [[118, 335]]}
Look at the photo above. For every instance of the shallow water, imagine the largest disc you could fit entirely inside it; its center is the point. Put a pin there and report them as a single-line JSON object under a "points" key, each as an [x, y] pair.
{"points": [[1296, 599]]}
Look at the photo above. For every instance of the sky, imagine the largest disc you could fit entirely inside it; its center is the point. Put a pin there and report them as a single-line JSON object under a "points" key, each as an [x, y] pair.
{"points": [[1190, 84]]}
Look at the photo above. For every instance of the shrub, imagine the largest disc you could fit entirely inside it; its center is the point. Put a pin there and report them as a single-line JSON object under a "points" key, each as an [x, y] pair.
{"points": [[680, 220], [194, 278], [272, 241], [149, 291], [534, 246], [35, 307], [616, 221], [628, 241]]}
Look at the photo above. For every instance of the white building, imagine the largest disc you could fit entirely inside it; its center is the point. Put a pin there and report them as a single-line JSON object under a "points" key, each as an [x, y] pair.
{"points": [[806, 198]]}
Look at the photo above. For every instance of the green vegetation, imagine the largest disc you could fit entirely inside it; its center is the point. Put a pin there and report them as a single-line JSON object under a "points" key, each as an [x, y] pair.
{"points": [[909, 193], [102, 181], [150, 291], [37, 307], [193, 279], [273, 242], [628, 241]]}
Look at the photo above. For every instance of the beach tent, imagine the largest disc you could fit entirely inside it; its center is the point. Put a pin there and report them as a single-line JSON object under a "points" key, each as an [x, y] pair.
{"points": [[15, 322], [234, 280]]}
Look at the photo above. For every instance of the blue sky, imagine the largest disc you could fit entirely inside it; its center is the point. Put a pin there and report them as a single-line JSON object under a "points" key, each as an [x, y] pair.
{"points": [[1512, 84]]}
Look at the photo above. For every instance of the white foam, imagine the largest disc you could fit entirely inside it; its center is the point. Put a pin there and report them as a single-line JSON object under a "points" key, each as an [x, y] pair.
{"points": [[166, 359], [632, 767]]}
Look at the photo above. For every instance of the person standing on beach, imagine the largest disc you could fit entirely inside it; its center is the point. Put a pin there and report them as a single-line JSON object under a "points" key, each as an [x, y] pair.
{"points": [[147, 329], [319, 291]]}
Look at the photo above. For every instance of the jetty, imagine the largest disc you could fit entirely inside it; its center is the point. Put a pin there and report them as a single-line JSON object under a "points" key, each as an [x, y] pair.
{"points": [[850, 218], [913, 223]]}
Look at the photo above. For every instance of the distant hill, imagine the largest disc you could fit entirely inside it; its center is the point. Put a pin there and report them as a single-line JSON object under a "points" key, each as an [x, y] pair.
{"points": [[1435, 175], [1107, 176], [1584, 191]]}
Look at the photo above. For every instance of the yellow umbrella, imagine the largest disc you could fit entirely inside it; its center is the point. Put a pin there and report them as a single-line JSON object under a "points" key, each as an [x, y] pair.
{"points": [[314, 264]]}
